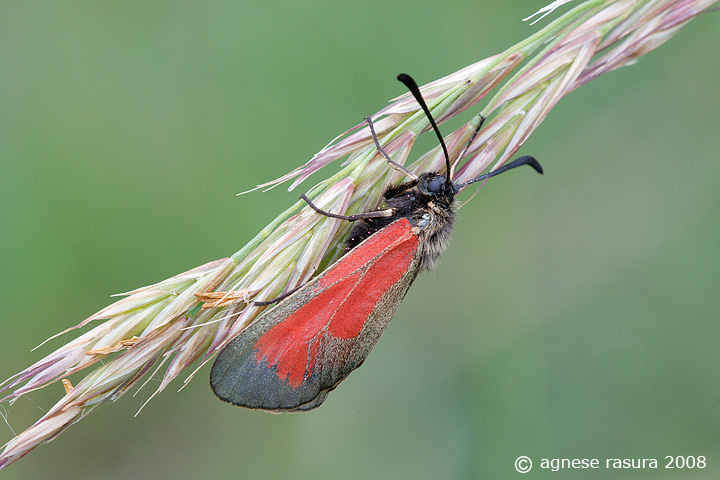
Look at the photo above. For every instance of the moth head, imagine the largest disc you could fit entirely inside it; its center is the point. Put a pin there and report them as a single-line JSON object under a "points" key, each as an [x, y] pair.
{"points": [[436, 186]]}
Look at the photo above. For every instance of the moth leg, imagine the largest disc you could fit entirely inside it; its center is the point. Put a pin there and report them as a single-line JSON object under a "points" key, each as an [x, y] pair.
{"points": [[278, 298], [392, 164], [350, 218]]}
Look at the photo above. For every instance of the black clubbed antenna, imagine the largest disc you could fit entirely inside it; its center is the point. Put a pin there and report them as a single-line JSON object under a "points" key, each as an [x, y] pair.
{"points": [[526, 160], [412, 86]]}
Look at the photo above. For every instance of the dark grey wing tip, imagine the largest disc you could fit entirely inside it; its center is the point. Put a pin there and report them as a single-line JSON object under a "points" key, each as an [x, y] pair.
{"points": [[238, 378]]}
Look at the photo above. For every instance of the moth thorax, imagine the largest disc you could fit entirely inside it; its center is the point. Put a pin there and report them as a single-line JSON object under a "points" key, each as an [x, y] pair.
{"points": [[435, 224]]}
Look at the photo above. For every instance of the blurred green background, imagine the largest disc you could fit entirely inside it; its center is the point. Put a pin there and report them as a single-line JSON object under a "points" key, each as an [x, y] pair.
{"points": [[575, 315]]}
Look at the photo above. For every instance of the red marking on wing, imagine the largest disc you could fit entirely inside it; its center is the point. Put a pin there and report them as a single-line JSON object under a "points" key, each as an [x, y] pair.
{"points": [[374, 246], [349, 318], [348, 292]]}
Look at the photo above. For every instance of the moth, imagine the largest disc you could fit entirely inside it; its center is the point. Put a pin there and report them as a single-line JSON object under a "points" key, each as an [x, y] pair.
{"points": [[295, 353]]}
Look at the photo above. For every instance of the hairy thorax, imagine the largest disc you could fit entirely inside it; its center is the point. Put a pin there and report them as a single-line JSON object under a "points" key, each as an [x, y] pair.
{"points": [[434, 224], [431, 214]]}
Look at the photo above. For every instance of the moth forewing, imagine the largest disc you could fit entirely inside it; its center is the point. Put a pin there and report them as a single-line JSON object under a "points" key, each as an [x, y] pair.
{"points": [[298, 351]]}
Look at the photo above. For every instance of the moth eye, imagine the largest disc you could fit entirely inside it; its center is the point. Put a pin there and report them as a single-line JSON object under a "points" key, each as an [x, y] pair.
{"points": [[435, 185]]}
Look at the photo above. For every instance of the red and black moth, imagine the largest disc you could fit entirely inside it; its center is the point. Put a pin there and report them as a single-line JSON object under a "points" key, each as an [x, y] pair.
{"points": [[301, 349]]}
